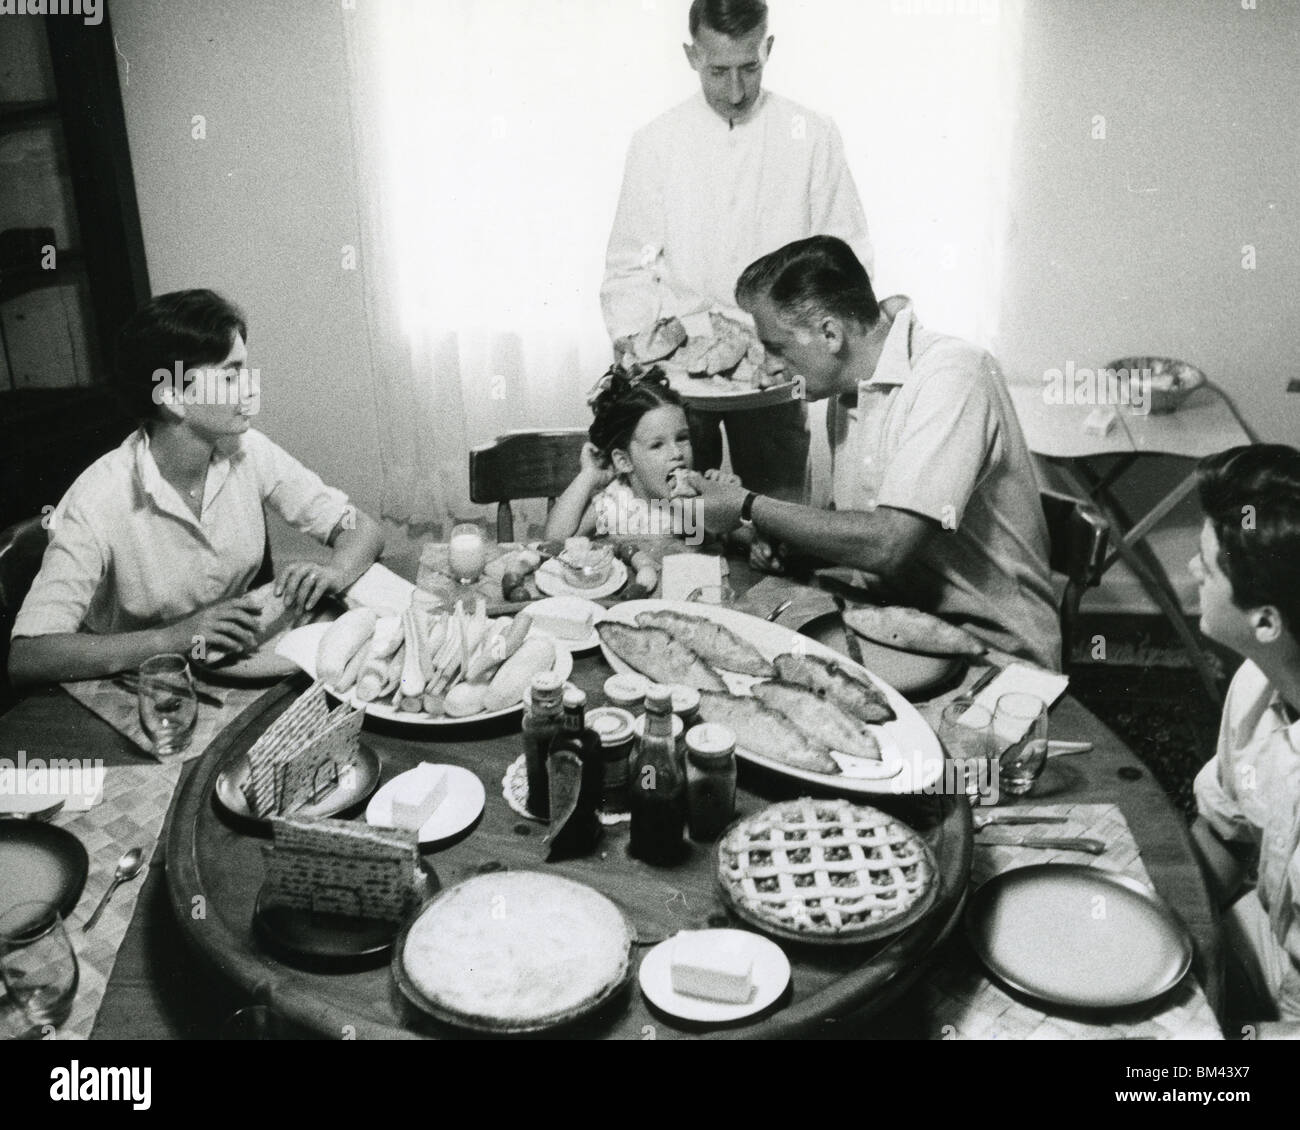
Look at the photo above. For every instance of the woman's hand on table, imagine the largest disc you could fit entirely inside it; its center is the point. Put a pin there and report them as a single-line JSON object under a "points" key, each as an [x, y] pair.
{"points": [[230, 627], [302, 584]]}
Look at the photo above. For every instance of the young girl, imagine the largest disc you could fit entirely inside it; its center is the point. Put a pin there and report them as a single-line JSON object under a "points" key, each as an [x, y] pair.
{"points": [[639, 449]]}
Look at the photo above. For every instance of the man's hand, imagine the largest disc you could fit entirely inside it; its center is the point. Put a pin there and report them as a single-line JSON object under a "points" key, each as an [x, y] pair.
{"points": [[720, 500], [716, 476], [303, 583], [230, 627], [765, 556]]}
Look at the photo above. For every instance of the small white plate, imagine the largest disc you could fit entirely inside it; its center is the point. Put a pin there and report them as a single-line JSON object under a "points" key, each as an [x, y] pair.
{"points": [[550, 580], [771, 976], [460, 808], [574, 607]]}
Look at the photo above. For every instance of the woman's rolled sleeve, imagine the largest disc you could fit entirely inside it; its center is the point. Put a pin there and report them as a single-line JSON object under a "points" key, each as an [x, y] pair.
{"points": [[73, 567], [295, 492]]}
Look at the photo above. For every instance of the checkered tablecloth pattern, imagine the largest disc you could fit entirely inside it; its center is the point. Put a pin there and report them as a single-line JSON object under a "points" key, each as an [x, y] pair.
{"points": [[964, 1003], [131, 814]]}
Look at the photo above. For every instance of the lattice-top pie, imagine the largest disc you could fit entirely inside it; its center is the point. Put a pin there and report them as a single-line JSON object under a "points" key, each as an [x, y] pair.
{"points": [[516, 951], [825, 869]]}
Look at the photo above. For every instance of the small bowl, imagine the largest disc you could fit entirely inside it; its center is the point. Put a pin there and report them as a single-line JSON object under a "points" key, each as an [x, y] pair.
{"points": [[1172, 381], [587, 568]]}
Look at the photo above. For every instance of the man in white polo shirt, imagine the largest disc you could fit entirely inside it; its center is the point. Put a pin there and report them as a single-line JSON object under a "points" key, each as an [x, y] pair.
{"points": [[729, 175], [933, 488]]}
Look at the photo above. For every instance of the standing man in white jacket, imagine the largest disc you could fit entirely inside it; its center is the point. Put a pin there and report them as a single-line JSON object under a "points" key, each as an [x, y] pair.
{"points": [[713, 184]]}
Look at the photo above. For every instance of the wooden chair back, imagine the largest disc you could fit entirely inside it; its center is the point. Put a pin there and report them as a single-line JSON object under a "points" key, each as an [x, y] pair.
{"points": [[1078, 534], [22, 546], [523, 464]]}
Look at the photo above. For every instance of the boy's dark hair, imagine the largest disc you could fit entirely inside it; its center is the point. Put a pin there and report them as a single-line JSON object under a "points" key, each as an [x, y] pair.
{"points": [[1251, 495], [732, 18], [811, 278], [621, 404], [189, 327]]}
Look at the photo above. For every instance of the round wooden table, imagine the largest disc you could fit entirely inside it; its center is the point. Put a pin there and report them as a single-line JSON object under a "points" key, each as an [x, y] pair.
{"points": [[215, 865]]}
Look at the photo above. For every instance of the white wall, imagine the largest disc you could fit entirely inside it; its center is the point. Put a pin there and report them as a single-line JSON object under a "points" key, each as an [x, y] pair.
{"points": [[1133, 244], [260, 209]]}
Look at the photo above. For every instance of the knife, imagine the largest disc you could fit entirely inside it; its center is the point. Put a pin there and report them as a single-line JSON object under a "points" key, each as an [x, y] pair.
{"points": [[851, 644], [1064, 843], [985, 821]]}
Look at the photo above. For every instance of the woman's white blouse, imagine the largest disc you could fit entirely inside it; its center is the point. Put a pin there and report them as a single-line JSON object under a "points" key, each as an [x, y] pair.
{"points": [[126, 553]]}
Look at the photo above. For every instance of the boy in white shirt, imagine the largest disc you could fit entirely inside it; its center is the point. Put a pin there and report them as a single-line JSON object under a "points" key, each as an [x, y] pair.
{"points": [[1248, 795]]}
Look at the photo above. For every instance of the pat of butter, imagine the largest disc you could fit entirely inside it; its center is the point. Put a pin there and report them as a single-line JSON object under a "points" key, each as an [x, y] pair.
{"points": [[418, 796], [703, 966], [574, 625]]}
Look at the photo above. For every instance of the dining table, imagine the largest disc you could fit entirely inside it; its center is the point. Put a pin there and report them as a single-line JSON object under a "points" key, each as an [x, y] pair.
{"points": [[187, 957]]}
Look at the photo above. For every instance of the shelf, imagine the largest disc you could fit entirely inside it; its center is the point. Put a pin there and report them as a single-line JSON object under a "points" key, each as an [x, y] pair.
{"points": [[14, 284]]}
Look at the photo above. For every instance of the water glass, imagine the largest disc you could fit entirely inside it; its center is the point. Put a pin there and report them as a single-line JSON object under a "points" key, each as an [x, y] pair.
{"points": [[467, 553], [966, 730], [168, 706], [1020, 727], [37, 961]]}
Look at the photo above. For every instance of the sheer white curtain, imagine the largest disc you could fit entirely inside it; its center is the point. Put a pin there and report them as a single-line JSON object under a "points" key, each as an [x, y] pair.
{"points": [[490, 138]]}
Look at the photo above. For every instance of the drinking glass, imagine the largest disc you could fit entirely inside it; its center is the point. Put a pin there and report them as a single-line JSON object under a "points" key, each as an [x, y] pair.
{"points": [[1020, 726], [467, 553], [37, 961], [168, 707], [966, 730]]}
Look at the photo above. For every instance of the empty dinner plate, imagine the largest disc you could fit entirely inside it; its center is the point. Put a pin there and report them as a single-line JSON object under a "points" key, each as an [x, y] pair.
{"points": [[1078, 936]]}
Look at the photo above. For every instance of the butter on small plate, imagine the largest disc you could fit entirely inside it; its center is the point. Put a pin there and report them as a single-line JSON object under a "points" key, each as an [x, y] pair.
{"points": [[446, 798], [714, 961], [568, 620]]}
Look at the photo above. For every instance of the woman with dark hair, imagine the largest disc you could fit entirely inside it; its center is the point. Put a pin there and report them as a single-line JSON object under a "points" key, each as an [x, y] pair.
{"points": [[153, 548], [640, 446]]}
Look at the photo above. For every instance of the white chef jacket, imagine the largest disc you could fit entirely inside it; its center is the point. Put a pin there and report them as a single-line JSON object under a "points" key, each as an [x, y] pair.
{"points": [[702, 200]]}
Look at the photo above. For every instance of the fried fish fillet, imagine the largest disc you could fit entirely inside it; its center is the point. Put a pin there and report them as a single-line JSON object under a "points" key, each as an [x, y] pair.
{"points": [[910, 629], [765, 732], [711, 641], [819, 721], [659, 656], [857, 696]]}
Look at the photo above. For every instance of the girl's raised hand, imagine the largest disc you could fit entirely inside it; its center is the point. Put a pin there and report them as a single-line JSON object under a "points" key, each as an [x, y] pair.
{"points": [[595, 466]]}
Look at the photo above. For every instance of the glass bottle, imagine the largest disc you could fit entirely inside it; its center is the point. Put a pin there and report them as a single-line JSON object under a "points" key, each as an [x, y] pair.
{"points": [[710, 780], [657, 791], [542, 712], [582, 829]]}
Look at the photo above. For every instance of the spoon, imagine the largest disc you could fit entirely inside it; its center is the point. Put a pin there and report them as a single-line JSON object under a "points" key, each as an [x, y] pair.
{"points": [[128, 867]]}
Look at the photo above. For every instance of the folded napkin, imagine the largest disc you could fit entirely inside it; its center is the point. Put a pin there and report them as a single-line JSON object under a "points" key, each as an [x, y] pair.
{"points": [[381, 589], [1019, 678], [120, 709], [683, 573]]}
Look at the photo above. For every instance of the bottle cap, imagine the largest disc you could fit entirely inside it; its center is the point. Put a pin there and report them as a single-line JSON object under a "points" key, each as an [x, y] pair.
{"points": [[659, 698], [678, 726], [710, 742], [612, 724], [686, 700], [574, 696], [547, 682], [626, 690]]}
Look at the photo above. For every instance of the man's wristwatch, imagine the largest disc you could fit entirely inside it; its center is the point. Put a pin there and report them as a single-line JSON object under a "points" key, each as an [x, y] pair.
{"points": [[747, 510]]}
